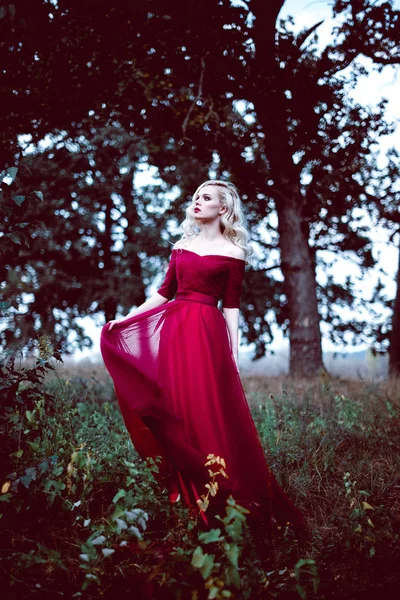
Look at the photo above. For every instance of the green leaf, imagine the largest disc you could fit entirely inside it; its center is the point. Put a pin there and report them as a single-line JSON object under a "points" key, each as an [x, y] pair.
{"points": [[30, 475], [18, 453], [35, 447], [19, 199], [30, 415], [232, 552], [44, 465], [5, 497], [203, 562], [119, 510], [207, 566], [57, 485], [39, 194], [198, 558], [5, 305], [100, 539], [14, 237], [304, 562], [119, 495], [234, 576], [121, 525], [208, 537]]}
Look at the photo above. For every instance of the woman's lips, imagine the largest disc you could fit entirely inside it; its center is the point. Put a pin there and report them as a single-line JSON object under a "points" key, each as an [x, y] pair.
{"points": [[197, 210]]}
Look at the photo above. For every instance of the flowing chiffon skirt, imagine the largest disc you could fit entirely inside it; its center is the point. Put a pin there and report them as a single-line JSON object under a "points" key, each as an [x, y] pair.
{"points": [[181, 398]]}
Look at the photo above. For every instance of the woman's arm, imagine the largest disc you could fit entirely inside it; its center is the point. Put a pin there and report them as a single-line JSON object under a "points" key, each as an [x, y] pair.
{"points": [[232, 322], [168, 290], [153, 302]]}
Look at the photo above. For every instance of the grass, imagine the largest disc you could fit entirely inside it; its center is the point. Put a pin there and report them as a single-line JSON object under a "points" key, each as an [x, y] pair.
{"points": [[332, 443]]}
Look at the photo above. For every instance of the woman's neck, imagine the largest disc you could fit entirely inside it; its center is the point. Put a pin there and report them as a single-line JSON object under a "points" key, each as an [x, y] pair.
{"points": [[211, 232]]}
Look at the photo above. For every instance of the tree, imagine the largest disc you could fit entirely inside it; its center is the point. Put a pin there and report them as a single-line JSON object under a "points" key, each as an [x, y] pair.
{"points": [[176, 81], [394, 348], [384, 203], [303, 123], [88, 256]]}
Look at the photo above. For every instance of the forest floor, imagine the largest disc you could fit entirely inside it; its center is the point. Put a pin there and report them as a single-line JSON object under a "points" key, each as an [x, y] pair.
{"points": [[83, 516]]}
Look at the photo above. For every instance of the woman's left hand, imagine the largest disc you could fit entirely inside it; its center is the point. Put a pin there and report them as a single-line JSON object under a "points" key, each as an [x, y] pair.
{"points": [[113, 322]]}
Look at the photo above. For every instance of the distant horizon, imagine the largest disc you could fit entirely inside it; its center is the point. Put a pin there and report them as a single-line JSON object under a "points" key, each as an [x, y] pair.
{"points": [[353, 364]]}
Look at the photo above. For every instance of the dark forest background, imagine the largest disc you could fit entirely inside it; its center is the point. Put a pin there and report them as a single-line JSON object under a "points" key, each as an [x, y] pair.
{"points": [[221, 90], [93, 93]]}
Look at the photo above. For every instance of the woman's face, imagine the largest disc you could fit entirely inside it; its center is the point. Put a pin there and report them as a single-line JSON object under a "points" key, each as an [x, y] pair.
{"points": [[207, 204]]}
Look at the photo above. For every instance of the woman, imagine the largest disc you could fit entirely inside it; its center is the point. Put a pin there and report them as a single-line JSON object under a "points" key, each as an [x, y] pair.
{"points": [[175, 367]]}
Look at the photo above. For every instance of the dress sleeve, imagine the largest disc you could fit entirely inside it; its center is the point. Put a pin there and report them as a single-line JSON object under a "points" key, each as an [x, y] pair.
{"points": [[170, 285], [233, 288]]}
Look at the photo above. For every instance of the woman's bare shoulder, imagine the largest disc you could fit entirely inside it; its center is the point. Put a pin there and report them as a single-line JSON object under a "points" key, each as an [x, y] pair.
{"points": [[235, 252]]}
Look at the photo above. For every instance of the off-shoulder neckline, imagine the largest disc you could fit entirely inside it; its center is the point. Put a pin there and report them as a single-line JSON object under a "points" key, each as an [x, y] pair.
{"points": [[208, 255]]}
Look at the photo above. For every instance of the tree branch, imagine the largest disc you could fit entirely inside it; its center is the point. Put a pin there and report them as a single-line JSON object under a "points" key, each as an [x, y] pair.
{"points": [[306, 34], [197, 98]]}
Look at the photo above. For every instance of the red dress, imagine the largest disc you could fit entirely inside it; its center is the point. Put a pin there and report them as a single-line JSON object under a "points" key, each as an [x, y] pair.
{"points": [[180, 393]]}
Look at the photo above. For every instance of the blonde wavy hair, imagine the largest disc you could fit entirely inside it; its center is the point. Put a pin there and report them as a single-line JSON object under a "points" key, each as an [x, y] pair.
{"points": [[233, 222]]}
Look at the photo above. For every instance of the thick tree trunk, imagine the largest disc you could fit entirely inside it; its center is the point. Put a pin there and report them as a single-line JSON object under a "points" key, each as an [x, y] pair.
{"points": [[299, 273], [297, 262], [394, 349], [110, 309], [131, 247], [110, 301]]}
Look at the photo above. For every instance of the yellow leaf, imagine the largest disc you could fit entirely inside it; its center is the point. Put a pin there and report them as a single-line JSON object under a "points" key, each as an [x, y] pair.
{"points": [[213, 489], [5, 487], [203, 504], [370, 523], [211, 474], [223, 463], [210, 456], [367, 506], [224, 474], [358, 529]]}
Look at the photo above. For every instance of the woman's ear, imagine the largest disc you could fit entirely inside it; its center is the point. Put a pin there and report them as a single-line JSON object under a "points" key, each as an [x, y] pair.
{"points": [[222, 210]]}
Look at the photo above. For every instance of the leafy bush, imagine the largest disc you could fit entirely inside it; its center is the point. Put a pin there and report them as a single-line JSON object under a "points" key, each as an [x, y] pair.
{"points": [[82, 515]]}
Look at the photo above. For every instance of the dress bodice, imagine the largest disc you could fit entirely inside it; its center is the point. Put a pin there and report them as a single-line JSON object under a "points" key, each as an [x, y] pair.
{"points": [[213, 274]]}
